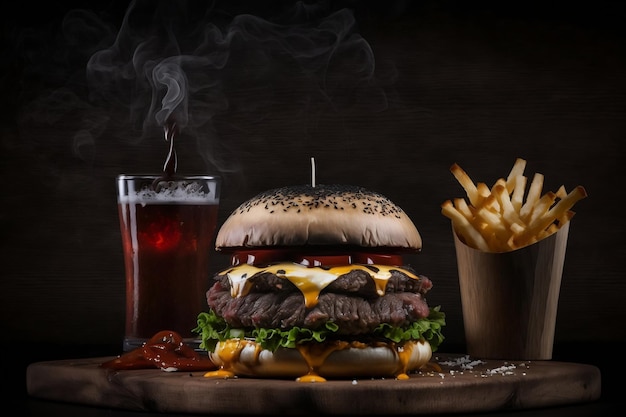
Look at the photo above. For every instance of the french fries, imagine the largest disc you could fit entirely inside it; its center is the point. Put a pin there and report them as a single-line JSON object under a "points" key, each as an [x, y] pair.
{"points": [[504, 217]]}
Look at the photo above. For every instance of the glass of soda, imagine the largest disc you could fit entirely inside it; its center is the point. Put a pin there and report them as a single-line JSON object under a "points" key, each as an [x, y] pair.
{"points": [[168, 228]]}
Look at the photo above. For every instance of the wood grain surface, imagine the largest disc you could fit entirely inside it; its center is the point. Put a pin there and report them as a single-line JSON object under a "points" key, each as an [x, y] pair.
{"points": [[462, 385]]}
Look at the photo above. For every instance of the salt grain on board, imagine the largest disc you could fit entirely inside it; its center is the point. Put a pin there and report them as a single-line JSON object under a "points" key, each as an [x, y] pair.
{"points": [[464, 363]]}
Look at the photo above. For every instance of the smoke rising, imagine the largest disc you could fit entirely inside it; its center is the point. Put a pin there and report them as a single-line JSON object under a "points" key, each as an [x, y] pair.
{"points": [[195, 63]]}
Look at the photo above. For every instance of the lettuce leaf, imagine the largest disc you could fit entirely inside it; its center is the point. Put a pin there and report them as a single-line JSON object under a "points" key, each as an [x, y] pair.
{"points": [[212, 329]]}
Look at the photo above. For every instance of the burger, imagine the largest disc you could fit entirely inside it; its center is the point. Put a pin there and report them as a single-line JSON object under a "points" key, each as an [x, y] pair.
{"points": [[317, 289]]}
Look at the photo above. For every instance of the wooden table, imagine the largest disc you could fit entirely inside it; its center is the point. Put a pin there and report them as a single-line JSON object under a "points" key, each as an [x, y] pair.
{"points": [[463, 385]]}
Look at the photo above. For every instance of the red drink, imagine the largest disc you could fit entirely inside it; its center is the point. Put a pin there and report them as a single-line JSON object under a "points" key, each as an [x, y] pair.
{"points": [[168, 241]]}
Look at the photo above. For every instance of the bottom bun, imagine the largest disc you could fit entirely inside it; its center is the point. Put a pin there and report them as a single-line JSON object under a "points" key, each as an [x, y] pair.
{"points": [[246, 358]]}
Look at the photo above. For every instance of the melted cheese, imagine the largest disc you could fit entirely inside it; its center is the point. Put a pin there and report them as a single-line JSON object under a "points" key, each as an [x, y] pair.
{"points": [[315, 355], [229, 356], [309, 280], [404, 352]]}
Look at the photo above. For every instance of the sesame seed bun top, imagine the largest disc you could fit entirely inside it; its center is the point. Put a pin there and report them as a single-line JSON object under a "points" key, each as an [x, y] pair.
{"points": [[303, 215]]}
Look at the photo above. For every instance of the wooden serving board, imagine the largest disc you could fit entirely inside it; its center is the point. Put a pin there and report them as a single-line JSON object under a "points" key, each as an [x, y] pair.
{"points": [[463, 385]]}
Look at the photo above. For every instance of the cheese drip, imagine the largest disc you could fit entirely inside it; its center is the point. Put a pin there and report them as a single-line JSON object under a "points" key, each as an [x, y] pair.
{"points": [[244, 357], [309, 280]]}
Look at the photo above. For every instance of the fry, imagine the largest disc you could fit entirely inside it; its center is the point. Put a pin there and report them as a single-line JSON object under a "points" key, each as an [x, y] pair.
{"points": [[561, 192], [463, 227], [492, 219], [534, 193], [540, 208], [516, 229], [517, 198], [463, 208], [518, 169], [483, 194], [563, 206], [466, 182], [509, 214], [490, 203], [554, 227], [501, 218]]}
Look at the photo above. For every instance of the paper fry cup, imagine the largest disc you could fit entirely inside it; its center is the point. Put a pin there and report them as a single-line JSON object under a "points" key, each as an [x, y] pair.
{"points": [[510, 299]]}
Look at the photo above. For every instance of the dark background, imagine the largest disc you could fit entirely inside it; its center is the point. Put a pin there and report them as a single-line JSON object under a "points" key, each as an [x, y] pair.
{"points": [[412, 88]]}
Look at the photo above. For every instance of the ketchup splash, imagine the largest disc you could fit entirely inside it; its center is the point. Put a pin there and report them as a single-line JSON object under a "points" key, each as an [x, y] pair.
{"points": [[165, 350]]}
